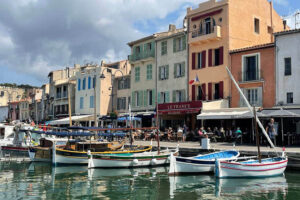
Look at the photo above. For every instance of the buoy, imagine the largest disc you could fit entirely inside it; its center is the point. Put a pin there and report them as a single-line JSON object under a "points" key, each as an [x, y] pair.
{"points": [[135, 161]]}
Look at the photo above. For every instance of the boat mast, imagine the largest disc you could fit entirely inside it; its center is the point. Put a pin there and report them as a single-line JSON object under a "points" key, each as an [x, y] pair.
{"points": [[257, 136], [250, 108]]}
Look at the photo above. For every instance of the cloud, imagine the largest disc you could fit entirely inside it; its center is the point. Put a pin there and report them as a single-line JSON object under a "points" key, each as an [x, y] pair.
{"points": [[39, 36], [282, 2]]}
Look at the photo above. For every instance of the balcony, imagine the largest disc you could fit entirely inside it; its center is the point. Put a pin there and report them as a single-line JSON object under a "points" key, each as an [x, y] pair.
{"points": [[250, 77], [201, 36], [142, 55]]}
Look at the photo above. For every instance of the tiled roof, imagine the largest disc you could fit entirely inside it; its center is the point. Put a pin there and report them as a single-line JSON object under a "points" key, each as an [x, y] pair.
{"points": [[261, 46], [287, 32]]}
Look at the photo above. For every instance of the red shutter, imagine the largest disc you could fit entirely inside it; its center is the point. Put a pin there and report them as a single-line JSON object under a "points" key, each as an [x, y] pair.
{"points": [[193, 60], [221, 56], [221, 88], [209, 91], [193, 92], [210, 57], [203, 59], [203, 91]]}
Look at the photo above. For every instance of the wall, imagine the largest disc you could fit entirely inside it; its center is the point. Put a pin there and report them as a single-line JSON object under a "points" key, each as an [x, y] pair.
{"points": [[267, 71], [16, 94], [288, 46]]}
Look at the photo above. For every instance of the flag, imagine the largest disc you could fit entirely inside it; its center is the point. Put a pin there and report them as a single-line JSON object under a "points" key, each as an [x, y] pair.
{"points": [[194, 80]]}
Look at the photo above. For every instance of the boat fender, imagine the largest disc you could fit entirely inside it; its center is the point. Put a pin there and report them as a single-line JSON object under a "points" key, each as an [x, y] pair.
{"points": [[153, 161], [135, 161]]}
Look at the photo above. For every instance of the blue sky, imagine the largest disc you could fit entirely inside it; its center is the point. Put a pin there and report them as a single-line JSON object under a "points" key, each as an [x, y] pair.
{"points": [[39, 36]]}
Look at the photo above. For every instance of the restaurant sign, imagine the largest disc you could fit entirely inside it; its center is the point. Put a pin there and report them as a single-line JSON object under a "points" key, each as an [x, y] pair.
{"points": [[180, 107]]}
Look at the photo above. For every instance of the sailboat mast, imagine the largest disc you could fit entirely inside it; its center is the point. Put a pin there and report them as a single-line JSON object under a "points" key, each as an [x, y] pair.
{"points": [[257, 137], [250, 108]]}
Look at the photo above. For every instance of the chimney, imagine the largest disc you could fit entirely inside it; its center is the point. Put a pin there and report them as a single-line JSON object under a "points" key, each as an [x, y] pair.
{"points": [[172, 27], [284, 24]]}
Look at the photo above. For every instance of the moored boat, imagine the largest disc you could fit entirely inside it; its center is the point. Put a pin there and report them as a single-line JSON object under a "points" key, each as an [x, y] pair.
{"points": [[144, 159], [200, 163]]}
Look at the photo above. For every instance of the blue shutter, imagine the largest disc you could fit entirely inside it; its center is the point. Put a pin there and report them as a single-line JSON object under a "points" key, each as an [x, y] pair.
{"points": [[89, 82], [78, 84]]}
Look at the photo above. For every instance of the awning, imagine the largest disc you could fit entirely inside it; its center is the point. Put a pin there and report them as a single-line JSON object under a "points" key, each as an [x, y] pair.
{"points": [[66, 120], [229, 113], [282, 113], [180, 107]]}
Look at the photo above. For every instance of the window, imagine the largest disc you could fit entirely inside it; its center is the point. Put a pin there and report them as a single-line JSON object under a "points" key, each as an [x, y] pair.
{"points": [[121, 103], [179, 44], [2, 94], [253, 95], [78, 84], [137, 74], [65, 91], [200, 93], [289, 97], [163, 97], [179, 96], [150, 97], [164, 48], [217, 91], [94, 82], [164, 72], [287, 66], [199, 60], [89, 82], [149, 72], [81, 102], [137, 98], [138, 50], [91, 101], [179, 70], [58, 92], [208, 27], [217, 57], [251, 68], [256, 25], [83, 83]]}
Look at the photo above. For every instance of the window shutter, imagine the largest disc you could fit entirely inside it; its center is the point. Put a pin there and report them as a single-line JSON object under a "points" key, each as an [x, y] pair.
{"points": [[203, 59], [145, 97], [153, 48], [209, 91], [175, 70], [210, 57], [203, 87], [133, 99], [158, 97], [174, 96], [193, 92], [141, 98], [174, 45], [183, 69], [167, 71], [193, 60], [159, 71], [183, 95], [167, 96], [221, 88], [184, 42], [259, 96], [153, 97], [141, 51], [221, 56], [133, 53]]}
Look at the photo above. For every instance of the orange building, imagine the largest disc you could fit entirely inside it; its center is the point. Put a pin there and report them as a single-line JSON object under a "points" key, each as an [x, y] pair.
{"points": [[217, 27], [254, 70]]}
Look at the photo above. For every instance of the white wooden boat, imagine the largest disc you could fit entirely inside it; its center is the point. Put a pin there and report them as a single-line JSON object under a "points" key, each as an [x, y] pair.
{"points": [[251, 168], [154, 158], [200, 163]]}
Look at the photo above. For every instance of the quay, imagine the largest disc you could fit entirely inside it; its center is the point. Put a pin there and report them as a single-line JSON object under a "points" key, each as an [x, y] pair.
{"points": [[194, 148]]}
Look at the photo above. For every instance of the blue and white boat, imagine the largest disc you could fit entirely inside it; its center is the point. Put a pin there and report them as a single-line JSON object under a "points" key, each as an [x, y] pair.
{"points": [[200, 163]]}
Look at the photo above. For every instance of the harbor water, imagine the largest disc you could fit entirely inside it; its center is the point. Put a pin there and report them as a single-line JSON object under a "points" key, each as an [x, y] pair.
{"points": [[19, 180]]}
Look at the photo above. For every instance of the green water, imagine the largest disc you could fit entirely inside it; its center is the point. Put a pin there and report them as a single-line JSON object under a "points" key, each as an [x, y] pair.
{"points": [[42, 181]]}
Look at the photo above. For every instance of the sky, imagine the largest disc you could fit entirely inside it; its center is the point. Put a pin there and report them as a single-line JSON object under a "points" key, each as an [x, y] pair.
{"points": [[38, 36]]}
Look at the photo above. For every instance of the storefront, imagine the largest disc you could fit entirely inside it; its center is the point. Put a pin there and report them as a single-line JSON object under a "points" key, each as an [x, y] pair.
{"points": [[176, 114]]}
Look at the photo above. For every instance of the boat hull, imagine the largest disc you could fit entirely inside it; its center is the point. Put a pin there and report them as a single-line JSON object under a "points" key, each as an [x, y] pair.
{"points": [[239, 169], [103, 161]]}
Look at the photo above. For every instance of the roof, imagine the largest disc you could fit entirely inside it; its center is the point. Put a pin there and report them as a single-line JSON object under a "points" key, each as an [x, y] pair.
{"points": [[147, 38], [170, 34], [250, 48], [287, 32]]}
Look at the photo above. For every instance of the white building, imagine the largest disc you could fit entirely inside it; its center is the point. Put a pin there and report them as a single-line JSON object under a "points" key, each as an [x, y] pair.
{"points": [[287, 67]]}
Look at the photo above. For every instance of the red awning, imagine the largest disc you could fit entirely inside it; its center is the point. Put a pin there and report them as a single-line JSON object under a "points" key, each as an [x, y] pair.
{"points": [[180, 108]]}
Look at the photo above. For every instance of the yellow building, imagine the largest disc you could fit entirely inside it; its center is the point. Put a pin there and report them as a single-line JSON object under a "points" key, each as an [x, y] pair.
{"points": [[215, 28], [10, 94]]}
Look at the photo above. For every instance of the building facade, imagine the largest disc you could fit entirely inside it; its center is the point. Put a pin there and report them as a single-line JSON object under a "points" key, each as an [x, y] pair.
{"points": [[10, 94], [215, 28], [287, 67], [254, 70], [122, 94]]}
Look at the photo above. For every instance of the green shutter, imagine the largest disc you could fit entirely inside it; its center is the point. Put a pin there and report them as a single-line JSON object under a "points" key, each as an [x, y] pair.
{"points": [[158, 97], [175, 70], [174, 45], [153, 48], [183, 95], [184, 42], [145, 51], [133, 53], [167, 96], [167, 71], [159, 75], [183, 69], [133, 99], [153, 97], [141, 52], [141, 98], [145, 98], [174, 96]]}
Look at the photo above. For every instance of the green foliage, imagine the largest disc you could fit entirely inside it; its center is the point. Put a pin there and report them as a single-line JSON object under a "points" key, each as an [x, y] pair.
{"points": [[14, 85]]}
